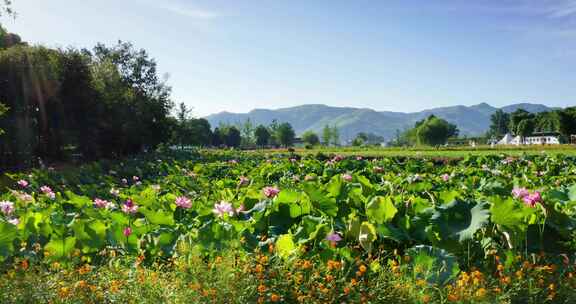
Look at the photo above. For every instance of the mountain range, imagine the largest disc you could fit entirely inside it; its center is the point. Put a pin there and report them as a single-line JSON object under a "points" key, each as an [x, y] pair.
{"points": [[471, 120]]}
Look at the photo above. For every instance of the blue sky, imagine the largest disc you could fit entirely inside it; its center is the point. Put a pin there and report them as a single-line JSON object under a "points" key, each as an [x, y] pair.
{"points": [[397, 55]]}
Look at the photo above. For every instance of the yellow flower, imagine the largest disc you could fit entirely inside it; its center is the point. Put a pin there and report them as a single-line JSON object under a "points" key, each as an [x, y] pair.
{"points": [[64, 292], [480, 293]]}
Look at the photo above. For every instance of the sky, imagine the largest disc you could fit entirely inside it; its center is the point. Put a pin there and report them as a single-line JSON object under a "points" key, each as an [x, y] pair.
{"points": [[389, 55]]}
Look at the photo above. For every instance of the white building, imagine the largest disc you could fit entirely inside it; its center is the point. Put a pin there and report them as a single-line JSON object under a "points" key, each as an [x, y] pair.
{"points": [[538, 138]]}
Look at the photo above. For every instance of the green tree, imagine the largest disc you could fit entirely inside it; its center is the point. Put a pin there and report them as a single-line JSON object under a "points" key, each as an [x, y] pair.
{"points": [[335, 136], [262, 136], [310, 138], [218, 137], [285, 134], [547, 122], [182, 133], [273, 127], [434, 131], [516, 117], [233, 137], [567, 121], [499, 122], [525, 127], [247, 129], [326, 135], [200, 132]]}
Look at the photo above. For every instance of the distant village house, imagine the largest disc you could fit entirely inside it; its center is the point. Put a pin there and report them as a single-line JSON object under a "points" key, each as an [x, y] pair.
{"points": [[538, 138]]}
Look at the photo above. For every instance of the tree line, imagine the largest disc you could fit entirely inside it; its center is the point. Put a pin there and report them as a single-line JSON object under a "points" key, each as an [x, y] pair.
{"points": [[523, 123], [103, 102]]}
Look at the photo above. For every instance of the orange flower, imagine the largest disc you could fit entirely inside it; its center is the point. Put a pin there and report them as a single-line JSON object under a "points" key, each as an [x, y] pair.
{"points": [[274, 298], [259, 268], [362, 268], [24, 265], [84, 269], [452, 297], [262, 288], [425, 299]]}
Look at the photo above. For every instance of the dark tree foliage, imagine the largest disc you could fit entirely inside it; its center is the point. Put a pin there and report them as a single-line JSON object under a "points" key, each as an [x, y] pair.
{"points": [[285, 134], [499, 122], [433, 131], [518, 116], [567, 121], [187, 131], [218, 137], [262, 135], [310, 138], [232, 137], [103, 103]]}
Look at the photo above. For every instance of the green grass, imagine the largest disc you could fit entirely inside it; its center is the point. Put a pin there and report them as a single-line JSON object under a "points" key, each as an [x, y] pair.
{"points": [[456, 152]]}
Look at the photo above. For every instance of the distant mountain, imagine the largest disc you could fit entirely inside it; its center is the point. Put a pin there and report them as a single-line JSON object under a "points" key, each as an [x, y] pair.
{"points": [[471, 120]]}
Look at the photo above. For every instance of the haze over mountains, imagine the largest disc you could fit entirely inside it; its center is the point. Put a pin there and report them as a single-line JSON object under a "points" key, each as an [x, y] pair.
{"points": [[471, 120]]}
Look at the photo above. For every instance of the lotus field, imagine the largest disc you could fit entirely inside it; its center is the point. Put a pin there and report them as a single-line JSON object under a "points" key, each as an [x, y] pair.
{"points": [[232, 227]]}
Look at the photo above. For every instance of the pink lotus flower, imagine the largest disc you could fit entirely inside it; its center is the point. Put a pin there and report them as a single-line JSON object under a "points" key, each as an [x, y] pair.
{"points": [[22, 183], [445, 177], [25, 197], [48, 192], [520, 192], [99, 203], [127, 231], [7, 207], [337, 158], [45, 189], [359, 158], [222, 208], [135, 178], [129, 207], [334, 237], [183, 202], [14, 221], [532, 199], [270, 192], [347, 177]]}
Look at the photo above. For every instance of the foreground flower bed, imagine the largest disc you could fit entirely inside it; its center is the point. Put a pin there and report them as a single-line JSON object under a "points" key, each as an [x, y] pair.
{"points": [[261, 277], [223, 227]]}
